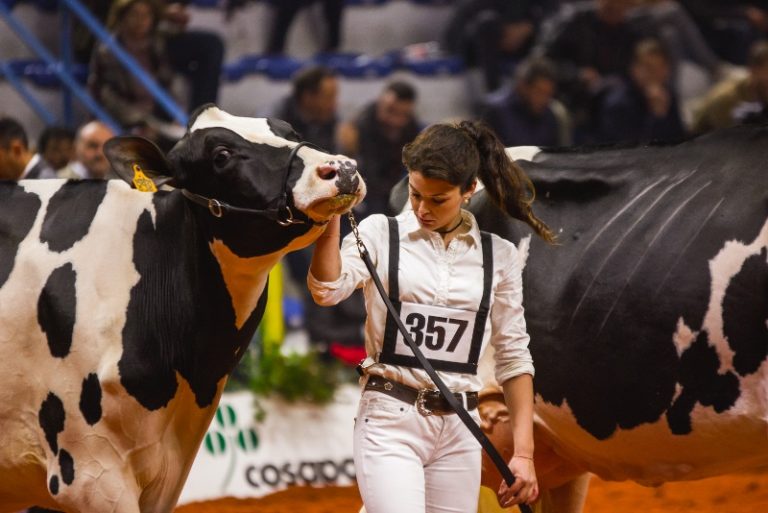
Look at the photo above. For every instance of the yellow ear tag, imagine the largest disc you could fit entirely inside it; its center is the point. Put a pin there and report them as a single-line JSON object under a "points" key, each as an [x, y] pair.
{"points": [[140, 180]]}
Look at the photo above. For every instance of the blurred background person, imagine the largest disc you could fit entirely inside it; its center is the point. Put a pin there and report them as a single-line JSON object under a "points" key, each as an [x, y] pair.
{"points": [[56, 146], [286, 10], [17, 160], [492, 35], [375, 138], [591, 44], [645, 106], [134, 24], [90, 161], [527, 113], [737, 100], [311, 108]]}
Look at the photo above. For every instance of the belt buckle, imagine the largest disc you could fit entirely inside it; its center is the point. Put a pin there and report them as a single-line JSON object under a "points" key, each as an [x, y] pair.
{"points": [[421, 403]]}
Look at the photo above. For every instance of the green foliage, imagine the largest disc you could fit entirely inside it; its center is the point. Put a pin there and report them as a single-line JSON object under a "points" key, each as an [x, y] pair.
{"points": [[294, 377]]}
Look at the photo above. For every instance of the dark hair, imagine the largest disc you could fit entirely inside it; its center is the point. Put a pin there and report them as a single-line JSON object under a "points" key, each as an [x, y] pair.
{"points": [[758, 54], [535, 68], [308, 80], [120, 7], [11, 129], [54, 133], [403, 91], [651, 46], [459, 153]]}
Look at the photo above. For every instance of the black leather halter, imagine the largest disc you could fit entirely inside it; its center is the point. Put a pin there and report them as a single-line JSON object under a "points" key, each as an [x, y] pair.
{"points": [[282, 214]]}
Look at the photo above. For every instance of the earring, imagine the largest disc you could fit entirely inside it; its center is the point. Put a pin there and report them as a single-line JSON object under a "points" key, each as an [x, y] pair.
{"points": [[466, 200]]}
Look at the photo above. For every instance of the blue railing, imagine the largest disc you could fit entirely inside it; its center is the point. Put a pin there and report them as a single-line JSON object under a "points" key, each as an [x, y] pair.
{"points": [[63, 67]]}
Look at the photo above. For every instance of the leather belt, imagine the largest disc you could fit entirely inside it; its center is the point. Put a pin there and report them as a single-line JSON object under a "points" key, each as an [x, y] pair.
{"points": [[428, 402]]}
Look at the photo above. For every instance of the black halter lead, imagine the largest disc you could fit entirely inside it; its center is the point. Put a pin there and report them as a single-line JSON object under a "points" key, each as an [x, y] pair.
{"points": [[282, 214]]}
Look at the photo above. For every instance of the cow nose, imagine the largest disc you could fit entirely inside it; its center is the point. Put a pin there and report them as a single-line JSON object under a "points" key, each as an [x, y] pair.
{"points": [[343, 172]]}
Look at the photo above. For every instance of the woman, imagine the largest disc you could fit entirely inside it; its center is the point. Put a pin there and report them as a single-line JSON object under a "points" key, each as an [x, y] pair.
{"points": [[412, 453], [134, 24]]}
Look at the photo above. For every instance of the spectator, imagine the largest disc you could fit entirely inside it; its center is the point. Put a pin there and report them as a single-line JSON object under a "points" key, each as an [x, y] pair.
{"points": [[732, 27], [737, 100], [492, 34], [56, 146], [311, 107], [527, 113], [17, 161], [90, 161], [286, 10], [134, 24], [678, 32], [196, 54], [645, 107], [591, 44], [375, 138]]}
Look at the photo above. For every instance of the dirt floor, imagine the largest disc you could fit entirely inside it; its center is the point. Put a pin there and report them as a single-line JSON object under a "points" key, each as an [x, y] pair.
{"points": [[739, 493]]}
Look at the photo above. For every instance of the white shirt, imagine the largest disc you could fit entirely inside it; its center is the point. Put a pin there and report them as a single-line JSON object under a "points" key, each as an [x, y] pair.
{"points": [[432, 274]]}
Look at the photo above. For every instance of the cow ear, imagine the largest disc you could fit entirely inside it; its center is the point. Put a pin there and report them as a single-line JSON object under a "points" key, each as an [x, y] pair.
{"points": [[132, 156]]}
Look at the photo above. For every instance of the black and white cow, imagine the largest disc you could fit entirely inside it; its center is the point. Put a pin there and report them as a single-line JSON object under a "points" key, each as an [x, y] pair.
{"points": [[123, 312], [649, 322]]}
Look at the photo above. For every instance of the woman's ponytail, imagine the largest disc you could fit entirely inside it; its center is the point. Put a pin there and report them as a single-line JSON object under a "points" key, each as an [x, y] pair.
{"points": [[506, 183]]}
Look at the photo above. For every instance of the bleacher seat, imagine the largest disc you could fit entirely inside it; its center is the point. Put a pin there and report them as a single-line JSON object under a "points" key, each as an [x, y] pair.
{"points": [[43, 75]]}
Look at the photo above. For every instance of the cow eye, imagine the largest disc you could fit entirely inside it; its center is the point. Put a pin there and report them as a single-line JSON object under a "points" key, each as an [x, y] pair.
{"points": [[221, 156]]}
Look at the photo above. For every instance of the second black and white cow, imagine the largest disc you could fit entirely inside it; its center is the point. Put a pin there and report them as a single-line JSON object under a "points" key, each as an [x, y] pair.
{"points": [[649, 322], [123, 312]]}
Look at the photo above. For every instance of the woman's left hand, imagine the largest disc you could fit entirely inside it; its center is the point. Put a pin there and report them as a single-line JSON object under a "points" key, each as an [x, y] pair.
{"points": [[525, 488]]}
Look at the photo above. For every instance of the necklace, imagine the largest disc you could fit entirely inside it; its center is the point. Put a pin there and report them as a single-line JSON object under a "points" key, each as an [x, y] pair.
{"points": [[443, 232]]}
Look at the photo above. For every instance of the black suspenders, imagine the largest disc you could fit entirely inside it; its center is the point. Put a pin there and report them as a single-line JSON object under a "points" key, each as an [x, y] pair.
{"points": [[388, 354]]}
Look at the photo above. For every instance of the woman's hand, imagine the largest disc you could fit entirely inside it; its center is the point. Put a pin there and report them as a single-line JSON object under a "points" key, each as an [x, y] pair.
{"points": [[525, 488]]}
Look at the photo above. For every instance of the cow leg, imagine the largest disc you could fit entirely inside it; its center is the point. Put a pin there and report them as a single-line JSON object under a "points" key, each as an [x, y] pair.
{"points": [[567, 498], [97, 489]]}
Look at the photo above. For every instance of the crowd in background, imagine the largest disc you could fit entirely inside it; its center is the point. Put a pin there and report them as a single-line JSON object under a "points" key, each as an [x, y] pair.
{"points": [[551, 73]]}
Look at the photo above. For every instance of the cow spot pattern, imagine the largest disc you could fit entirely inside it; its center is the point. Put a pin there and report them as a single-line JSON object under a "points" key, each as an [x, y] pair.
{"points": [[17, 215], [67, 209], [90, 399], [51, 418], [56, 310]]}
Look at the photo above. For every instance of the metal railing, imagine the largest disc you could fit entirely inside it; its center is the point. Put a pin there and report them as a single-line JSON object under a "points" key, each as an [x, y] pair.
{"points": [[62, 67]]}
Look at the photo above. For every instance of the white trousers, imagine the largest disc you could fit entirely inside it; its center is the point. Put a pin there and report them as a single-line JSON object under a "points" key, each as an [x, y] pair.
{"points": [[408, 463]]}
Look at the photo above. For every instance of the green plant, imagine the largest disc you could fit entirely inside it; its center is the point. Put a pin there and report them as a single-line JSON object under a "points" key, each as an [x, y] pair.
{"points": [[294, 377]]}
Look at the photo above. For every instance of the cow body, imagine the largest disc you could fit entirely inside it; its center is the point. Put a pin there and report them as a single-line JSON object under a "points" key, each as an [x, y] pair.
{"points": [[649, 322], [123, 312]]}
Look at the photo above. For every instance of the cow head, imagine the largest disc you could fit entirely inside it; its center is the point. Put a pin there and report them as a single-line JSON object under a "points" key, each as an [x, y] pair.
{"points": [[276, 186]]}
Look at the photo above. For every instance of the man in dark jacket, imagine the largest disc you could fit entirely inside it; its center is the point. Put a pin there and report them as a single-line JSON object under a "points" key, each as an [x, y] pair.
{"points": [[17, 161], [375, 138]]}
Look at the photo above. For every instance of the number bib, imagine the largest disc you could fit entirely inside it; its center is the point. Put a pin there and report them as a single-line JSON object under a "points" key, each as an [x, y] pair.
{"points": [[450, 338], [442, 333]]}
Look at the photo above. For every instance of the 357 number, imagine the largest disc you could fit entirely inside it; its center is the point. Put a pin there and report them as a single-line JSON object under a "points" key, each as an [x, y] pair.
{"points": [[430, 331]]}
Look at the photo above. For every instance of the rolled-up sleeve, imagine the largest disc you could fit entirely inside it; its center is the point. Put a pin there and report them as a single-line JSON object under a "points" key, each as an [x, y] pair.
{"points": [[509, 335], [354, 274]]}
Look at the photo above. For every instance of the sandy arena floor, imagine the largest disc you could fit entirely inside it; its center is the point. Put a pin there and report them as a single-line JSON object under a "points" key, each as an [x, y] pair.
{"points": [[739, 493]]}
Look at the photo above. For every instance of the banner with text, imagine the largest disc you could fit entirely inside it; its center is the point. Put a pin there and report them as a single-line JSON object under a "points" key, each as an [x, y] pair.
{"points": [[295, 444]]}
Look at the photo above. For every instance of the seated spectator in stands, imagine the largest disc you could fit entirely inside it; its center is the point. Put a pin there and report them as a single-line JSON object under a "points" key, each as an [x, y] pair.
{"points": [[17, 161], [493, 34], [134, 24], [730, 27], [645, 107], [90, 161], [286, 10], [525, 114], [591, 44], [311, 107], [56, 146], [195, 54], [375, 138], [678, 32], [737, 100]]}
